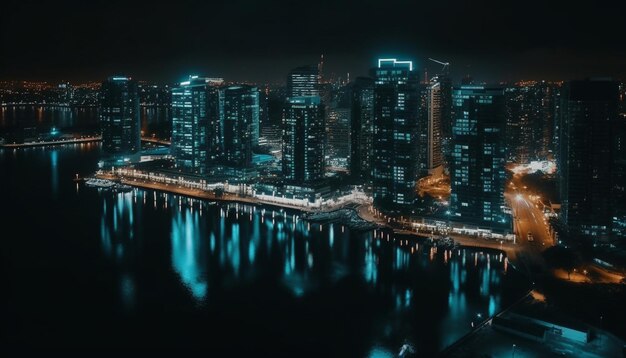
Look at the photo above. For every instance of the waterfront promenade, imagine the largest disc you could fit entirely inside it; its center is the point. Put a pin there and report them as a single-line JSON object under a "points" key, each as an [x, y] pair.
{"points": [[208, 195]]}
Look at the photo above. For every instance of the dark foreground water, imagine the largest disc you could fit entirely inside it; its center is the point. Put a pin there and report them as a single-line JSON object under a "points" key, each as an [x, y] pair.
{"points": [[89, 270]]}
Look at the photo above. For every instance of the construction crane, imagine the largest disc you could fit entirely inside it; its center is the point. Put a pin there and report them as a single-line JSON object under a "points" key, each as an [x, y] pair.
{"points": [[444, 64]]}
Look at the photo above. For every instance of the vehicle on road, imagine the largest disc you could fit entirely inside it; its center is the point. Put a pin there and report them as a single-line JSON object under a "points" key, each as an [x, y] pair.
{"points": [[530, 236]]}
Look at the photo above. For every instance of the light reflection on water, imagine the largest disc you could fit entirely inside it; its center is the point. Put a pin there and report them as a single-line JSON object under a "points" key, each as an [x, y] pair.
{"points": [[150, 267], [213, 245]]}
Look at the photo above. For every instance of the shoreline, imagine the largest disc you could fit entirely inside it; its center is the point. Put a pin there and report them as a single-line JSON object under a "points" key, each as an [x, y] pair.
{"points": [[74, 141], [508, 249], [202, 194]]}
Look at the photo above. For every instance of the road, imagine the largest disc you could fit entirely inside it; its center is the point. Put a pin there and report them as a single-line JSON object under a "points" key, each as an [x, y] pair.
{"points": [[528, 218]]}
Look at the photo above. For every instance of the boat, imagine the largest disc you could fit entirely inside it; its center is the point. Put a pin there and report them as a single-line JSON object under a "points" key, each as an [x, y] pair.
{"points": [[100, 183]]}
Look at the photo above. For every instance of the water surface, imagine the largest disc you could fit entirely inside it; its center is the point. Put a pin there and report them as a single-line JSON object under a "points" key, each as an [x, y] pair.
{"points": [[85, 269]]}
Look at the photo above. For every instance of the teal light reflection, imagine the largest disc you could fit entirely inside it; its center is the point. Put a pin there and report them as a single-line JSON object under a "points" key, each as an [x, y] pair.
{"points": [[54, 171], [187, 256]]}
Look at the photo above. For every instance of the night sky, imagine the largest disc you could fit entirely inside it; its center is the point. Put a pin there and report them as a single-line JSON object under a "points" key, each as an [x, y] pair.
{"points": [[261, 40]]}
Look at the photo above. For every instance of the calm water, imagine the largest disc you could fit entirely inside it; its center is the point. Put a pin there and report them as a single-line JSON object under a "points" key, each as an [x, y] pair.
{"points": [[92, 270], [154, 120]]}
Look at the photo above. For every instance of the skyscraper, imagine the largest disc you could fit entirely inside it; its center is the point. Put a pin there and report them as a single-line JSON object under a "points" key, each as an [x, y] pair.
{"points": [[119, 116], [445, 83], [589, 111], [394, 162], [619, 178], [239, 111], [530, 120], [477, 172], [430, 154], [337, 147], [197, 134], [303, 127], [361, 129], [303, 140], [303, 81]]}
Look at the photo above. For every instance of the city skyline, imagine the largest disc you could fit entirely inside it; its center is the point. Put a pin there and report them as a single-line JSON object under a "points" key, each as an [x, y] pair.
{"points": [[357, 178]]}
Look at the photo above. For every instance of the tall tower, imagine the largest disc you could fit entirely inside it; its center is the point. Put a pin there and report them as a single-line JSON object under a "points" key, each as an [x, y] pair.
{"points": [[197, 133], [303, 140], [362, 127], [119, 116], [303, 128], [477, 169], [396, 101], [338, 129], [588, 113], [239, 110], [530, 117], [434, 154]]}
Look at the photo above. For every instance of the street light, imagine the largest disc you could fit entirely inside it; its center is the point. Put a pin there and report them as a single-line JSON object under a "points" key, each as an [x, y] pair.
{"points": [[513, 353]]}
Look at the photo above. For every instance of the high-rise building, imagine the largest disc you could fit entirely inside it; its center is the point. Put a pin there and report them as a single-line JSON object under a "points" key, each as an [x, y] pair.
{"points": [[530, 120], [477, 169], [430, 154], [394, 161], [619, 179], [589, 111], [338, 137], [119, 116], [337, 147], [303, 81], [304, 128], [303, 140], [445, 84], [197, 133], [239, 111], [362, 127], [271, 126], [264, 115]]}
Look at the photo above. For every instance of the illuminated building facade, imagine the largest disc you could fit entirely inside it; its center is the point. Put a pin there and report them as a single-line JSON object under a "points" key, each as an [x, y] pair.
{"points": [[338, 129], [303, 82], [239, 111], [394, 161], [119, 116], [197, 134], [530, 109], [303, 140], [430, 154], [362, 126], [304, 136], [477, 168]]}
